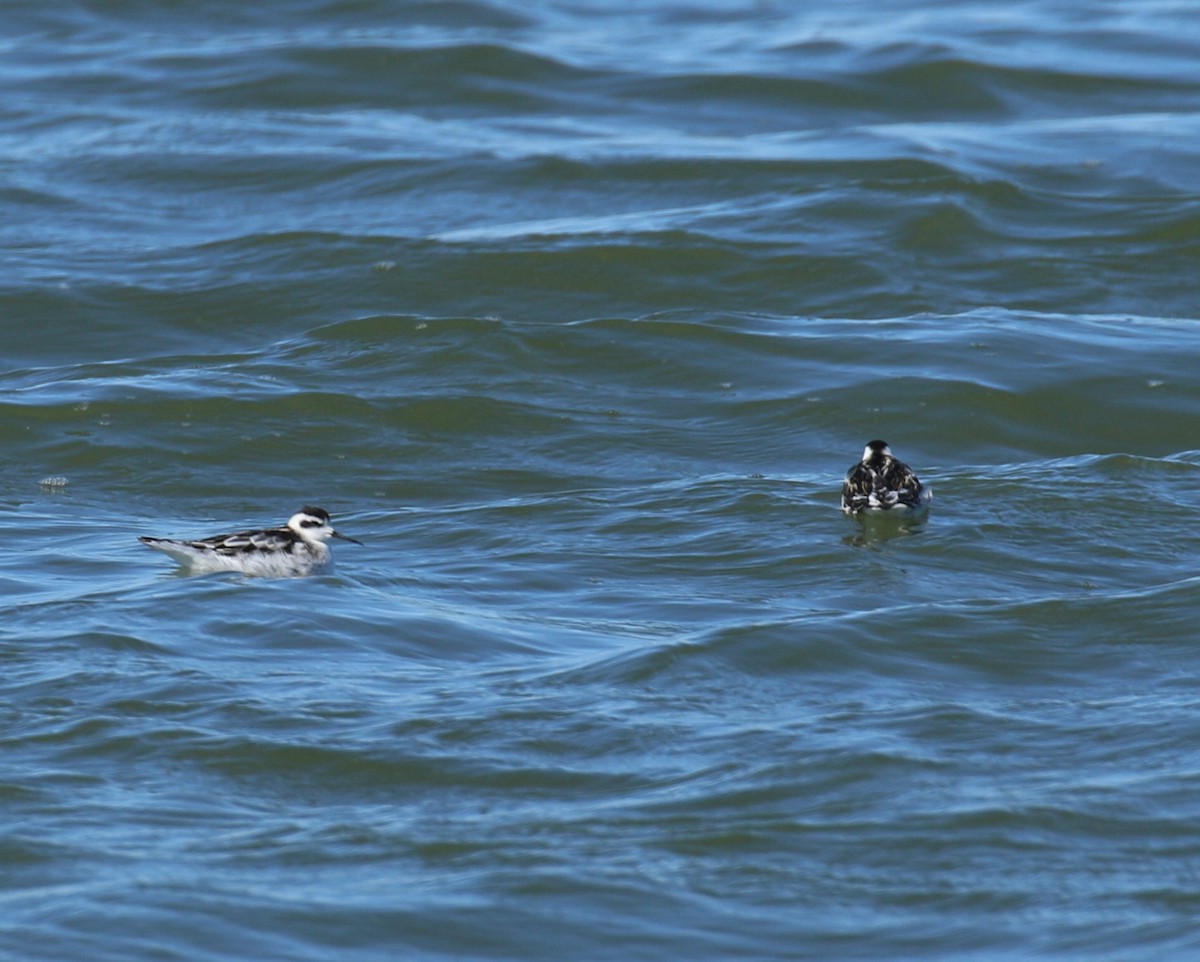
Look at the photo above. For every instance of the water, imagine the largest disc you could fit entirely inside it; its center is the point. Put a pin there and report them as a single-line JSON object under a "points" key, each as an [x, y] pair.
{"points": [[576, 315]]}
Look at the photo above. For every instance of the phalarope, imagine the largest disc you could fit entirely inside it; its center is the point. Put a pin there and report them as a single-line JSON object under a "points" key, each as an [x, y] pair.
{"points": [[298, 548], [880, 482]]}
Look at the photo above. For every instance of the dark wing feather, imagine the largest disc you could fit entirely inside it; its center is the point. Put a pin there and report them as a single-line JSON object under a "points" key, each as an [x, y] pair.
{"points": [[865, 487], [906, 485], [857, 488], [243, 542]]}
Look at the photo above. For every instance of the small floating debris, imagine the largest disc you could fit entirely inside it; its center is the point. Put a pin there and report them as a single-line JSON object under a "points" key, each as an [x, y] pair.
{"points": [[56, 482]]}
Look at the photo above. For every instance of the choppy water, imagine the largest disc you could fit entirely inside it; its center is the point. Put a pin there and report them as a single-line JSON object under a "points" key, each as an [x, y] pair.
{"points": [[576, 314]]}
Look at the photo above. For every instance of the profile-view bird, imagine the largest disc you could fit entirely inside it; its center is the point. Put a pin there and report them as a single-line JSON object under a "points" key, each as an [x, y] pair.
{"points": [[879, 483], [298, 548]]}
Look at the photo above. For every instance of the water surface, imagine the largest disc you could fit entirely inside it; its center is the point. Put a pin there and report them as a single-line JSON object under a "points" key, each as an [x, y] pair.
{"points": [[576, 316]]}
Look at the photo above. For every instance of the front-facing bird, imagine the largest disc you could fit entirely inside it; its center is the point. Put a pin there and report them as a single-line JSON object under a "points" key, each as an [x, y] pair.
{"points": [[879, 483], [298, 548]]}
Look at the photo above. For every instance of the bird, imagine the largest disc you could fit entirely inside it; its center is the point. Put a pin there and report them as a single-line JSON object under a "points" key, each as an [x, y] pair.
{"points": [[296, 549], [880, 482]]}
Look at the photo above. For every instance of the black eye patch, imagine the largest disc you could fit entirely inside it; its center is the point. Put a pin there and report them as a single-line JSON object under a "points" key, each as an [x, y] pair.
{"points": [[310, 524]]}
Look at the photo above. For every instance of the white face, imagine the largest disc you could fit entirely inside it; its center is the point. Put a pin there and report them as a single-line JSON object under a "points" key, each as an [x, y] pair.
{"points": [[868, 453], [310, 527]]}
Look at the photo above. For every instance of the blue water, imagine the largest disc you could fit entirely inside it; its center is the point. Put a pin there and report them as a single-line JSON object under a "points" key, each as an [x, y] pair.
{"points": [[576, 315]]}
